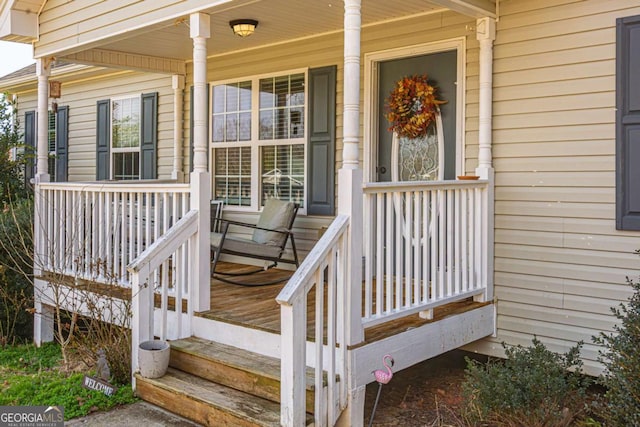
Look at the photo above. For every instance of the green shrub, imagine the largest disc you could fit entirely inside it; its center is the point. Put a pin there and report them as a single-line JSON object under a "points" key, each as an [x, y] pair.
{"points": [[621, 359], [16, 291], [532, 387]]}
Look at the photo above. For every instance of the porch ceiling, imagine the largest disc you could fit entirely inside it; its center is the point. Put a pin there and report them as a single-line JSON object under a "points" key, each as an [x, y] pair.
{"points": [[279, 21]]}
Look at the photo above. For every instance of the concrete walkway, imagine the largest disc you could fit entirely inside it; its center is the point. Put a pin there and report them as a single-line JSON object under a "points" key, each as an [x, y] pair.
{"points": [[135, 415]]}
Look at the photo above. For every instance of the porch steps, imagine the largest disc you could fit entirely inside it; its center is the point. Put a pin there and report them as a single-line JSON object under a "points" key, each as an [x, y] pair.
{"points": [[218, 385]]}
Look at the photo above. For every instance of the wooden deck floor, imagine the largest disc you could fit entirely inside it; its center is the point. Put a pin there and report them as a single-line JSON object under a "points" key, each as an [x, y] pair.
{"points": [[255, 307]]}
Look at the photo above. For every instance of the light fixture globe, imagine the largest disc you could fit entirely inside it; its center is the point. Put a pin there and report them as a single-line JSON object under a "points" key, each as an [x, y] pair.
{"points": [[243, 27]]}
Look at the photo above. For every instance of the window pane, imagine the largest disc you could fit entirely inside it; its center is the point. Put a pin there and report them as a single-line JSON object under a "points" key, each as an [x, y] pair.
{"points": [[231, 112], [267, 100], [218, 128], [281, 91], [266, 124], [283, 118], [232, 98], [245, 96], [231, 183], [282, 174], [232, 128], [126, 166], [297, 90], [244, 127], [125, 122], [296, 121], [218, 99]]}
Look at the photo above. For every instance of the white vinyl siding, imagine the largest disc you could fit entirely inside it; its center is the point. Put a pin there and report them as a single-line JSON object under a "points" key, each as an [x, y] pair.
{"points": [[560, 264]]}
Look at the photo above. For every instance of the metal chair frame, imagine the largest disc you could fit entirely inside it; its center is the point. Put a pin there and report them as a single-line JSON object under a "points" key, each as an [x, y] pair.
{"points": [[223, 226]]}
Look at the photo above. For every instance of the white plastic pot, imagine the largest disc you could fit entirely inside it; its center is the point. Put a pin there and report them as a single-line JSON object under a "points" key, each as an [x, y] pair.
{"points": [[153, 358]]}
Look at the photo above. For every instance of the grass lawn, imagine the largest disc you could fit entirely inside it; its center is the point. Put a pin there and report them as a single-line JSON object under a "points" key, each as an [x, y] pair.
{"points": [[33, 376]]}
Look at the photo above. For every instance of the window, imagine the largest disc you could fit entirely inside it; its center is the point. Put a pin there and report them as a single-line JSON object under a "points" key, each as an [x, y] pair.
{"points": [[126, 137], [628, 123], [258, 136]]}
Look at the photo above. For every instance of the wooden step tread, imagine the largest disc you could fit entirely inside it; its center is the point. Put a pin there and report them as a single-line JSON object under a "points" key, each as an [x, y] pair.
{"points": [[237, 358], [207, 403]]}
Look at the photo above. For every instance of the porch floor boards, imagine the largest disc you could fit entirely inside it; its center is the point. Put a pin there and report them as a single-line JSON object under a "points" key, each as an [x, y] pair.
{"points": [[255, 307]]}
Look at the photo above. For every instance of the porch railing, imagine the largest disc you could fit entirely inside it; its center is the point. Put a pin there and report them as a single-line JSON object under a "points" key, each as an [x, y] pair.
{"points": [[92, 231], [161, 278], [425, 246], [317, 287]]}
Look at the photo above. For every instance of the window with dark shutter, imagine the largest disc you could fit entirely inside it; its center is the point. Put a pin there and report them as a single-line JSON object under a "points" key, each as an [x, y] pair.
{"points": [[127, 138], [628, 123]]}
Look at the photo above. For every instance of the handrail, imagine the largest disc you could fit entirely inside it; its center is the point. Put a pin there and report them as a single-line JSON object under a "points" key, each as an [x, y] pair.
{"points": [[163, 263], [372, 187], [121, 186], [301, 277], [324, 271]]}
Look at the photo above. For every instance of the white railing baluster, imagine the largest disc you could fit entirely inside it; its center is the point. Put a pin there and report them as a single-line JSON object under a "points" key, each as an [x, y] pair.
{"points": [[388, 291], [417, 246], [449, 240], [408, 241], [426, 253], [379, 254], [369, 238]]}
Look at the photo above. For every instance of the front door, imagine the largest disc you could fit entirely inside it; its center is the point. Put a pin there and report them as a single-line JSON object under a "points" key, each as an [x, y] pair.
{"points": [[441, 70]]}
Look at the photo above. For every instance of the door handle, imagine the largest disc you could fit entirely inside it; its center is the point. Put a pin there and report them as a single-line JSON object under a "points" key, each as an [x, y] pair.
{"points": [[381, 169]]}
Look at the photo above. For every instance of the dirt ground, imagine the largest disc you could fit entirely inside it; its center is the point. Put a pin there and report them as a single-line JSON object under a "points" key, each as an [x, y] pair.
{"points": [[426, 394]]}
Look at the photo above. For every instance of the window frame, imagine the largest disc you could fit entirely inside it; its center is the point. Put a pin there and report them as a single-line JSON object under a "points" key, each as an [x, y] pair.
{"points": [[255, 143], [113, 150]]}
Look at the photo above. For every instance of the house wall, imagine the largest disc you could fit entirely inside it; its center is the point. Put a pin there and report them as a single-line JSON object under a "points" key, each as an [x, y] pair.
{"points": [[81, 97], [560, 263]]}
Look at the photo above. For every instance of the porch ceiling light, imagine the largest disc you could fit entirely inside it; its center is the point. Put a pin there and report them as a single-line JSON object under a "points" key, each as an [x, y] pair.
{"points": [[243, 27]]}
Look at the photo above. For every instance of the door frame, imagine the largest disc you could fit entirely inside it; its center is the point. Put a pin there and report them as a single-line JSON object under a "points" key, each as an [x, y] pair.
{"points": [[371, 95]]}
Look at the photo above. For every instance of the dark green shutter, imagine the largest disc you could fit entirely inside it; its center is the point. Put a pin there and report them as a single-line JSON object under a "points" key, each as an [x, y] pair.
{"points": [[322, 140], [103, 131], [191, 126], [29, 145], [149, 136], [628, 123], [62, 144]]}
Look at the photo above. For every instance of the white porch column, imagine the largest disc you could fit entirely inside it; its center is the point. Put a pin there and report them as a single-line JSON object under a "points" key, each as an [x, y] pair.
{"points": [[177, 83], [200, 178], [350, 201], [486, 34], [43, 318], [43, 70]]}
